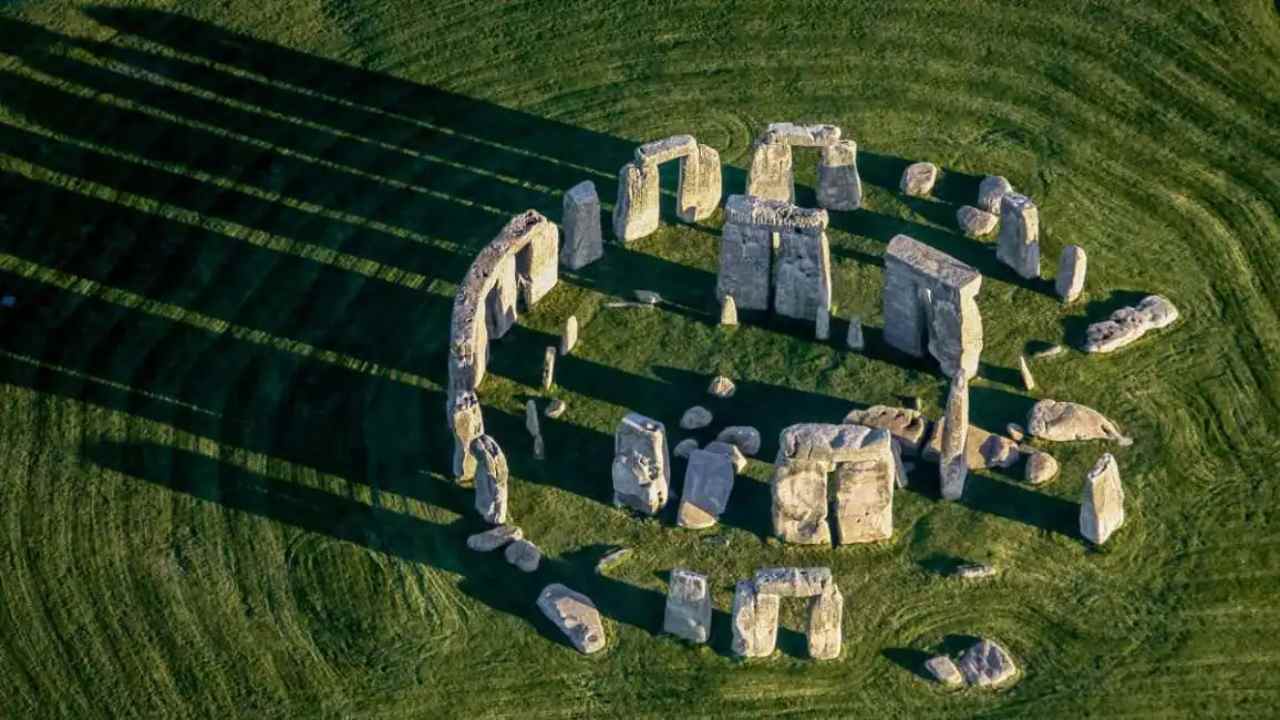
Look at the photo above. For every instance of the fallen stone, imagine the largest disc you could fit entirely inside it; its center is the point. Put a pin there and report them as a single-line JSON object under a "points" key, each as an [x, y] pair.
{"points": [[1072, 266], [975, 571], [569, 337], [730, 451], [1068, 421], [1018, 244], [907, 426], [953, 466], [548, 367], [854, 339], [491, 480], [1028, 381], [575, 615], [688, 610], [1102, 503], [839, 185], [986, 664], [524, 555], [918, 179], [793, 581], [788, 133], [627, 304], [982, 449], [698, 193], [975, 223], [583, 236], [1015, 432], [494, 538], [721, 387], [685, 447], [1128, 324], [799, 512], [1041, 468], [754, 620], [708, 482], [641, 466], [990, 191], [745, 437], [555, 409], [695, 418], [728, 311], [942, 669], [930, 305], [823, 629], [613, 559], [648, 297], [1051, 351]]}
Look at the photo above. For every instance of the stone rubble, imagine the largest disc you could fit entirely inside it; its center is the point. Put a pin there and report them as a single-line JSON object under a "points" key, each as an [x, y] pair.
{"points": [[641, 466], [695, 418], [1102, 502], [575, 615], [918, 179], [745, 437], [1072, 266], [708, 483], [583, 236], [1128, 324], [1067, 421], [494, 538], [524, 555], [688, 610], [1018, 244]]}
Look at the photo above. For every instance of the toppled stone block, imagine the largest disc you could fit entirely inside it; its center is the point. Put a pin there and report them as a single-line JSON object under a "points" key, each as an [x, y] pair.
{"points": [[635, 214], [494, 538], [863, 504], [745, 437], [991, 191], [660, 151], [755, 621], [823, 629], [1073, 264], [730, 451], [575, 615], [641, 466], [695, 418], [728, 311], [721, 387], [839, 185], [829, 444], [1041, 468], [787, 133], [1067, 421], [918, 179], [942, 669], [929, 294], [982, 449], [1102, 503], [698, 195], [793, 581], [524, 555], [799, 512], [583, 235], [688, 610], [975, 223], [907, 426], [708, 482], [771, 176], [1128, 324], [1018, 244], [491, 480], [987, 664], [569, 336]]}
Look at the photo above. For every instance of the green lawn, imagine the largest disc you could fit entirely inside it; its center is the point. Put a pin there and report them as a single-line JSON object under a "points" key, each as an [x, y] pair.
{"points": [[233, 231]]}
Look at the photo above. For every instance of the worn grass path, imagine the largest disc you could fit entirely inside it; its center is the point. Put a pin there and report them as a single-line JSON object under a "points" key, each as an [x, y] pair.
{"points": [[233, 231]]}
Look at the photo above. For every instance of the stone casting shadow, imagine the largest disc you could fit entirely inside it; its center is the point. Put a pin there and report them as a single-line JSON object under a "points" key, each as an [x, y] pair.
{"points": [[1074, 327]]}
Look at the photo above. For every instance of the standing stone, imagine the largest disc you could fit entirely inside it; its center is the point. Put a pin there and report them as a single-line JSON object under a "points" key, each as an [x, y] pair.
{"points": [[953, 466], [524, 555], [822, 324], [635, 215], [1102, 504], [854, 339], [1041, 468], [824, 626], [771, 176], [708, 482], [799, 512], [1018, 244], [641, 466], [684, 448], [728, 311], [583, 239], [555, 409], [491, 480], [863, 498], [793, 581], [839, 186], [1067, 422], [1130, 323], [745, 437], [1028, 381], [746, 257], [991, 191], [942, 669], [1072, 266], [907, 426], [695, 418], [569, 337], [467, 424], [548, 367], [699, 192], [494, 538], [575, 615], [688, 611], [755, 621], [975, 223], [930, 302], [802, 275], [918, 179], [987, 664]]}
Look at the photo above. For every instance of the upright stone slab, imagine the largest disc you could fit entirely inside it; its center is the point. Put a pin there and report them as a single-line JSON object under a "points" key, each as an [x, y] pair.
{"points": [[991, 191], [635, 215], [823, 631], [802, 275], [569, 336], [466, 424], [583, 238], [1102, 503], [1128, 324], [863, 505], [1072, 266], [771, 176], [1018, 244], [799, 513], [907, 426], [746, 257], [688, 610], [854, 338], [700, 184], [839, 186], [755, 621], [641, 465], [953, 466], [930, 301], [708, 482], [538, 263], [491, 480]]}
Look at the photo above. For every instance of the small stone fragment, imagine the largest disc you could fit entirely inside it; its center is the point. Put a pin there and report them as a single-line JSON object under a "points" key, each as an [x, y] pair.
{"points": [[583, 237], [918, 179], [548, 367], [524, 555], [1041, 468], [688, 610], [708, 482], [730, 451], [854, 339], [986, 664], [569, 337], [1015, 432], [695, 418], [494, 538], [975, 571], [907, 426], [990, 191], [575, 615], [648, 297], [612, 560], [1072, 266], [728, 311], [1128, 324], [1102, 503], [755, 621], [721, 387], [685, 447], [1068, 421], [975, 223], [745, 437], [1028, 382], [942, 669], [555, 408]]}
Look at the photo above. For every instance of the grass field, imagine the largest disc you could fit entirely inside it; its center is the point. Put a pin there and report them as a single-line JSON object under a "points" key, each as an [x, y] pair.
{"points": [[233, 231]]}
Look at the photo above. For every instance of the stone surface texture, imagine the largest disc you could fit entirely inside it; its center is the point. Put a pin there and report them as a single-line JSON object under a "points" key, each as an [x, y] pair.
{"points": [[1102, 502], [771, 176], [953, 465], [907, 426], [1041, 468], [930, 302], [635, 214], [524, 555], [1128, 324], [730, 451], [975, 223], [1018, 244], [799, 514], [569, 336], [991, 191], [754, 621], [982, 449], [721, 387], [491, 480], [1067, 421], [942, 669], [823, 628], [583, 234], [688, 610], [708, 483], [695, 418], [728, 311], [1073, 265], [918, 179], [745, 437], [548, 367], [987, 664], [575, 615], [793, 582], [641, 465], [839, 185], [1028, 380], [698, 194], [863, 506], [494, 538]]}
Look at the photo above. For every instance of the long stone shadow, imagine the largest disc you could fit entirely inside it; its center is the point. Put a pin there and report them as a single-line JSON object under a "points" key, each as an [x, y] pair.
{"points": [[1075, 326]]}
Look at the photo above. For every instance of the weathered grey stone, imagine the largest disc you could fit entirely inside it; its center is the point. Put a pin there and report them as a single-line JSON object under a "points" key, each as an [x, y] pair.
{"points": [[755, 621], [708, 482], [929, 294], [575, 615], [839, 185], [641, 466], [612, 559], [918, 179], [991, 191], [981, 449], [569, 336], [1073, 264], [863, 499], [524, 555], [787, 133], [1130, 323], [688, 611], [975, 571], [775, 215], [555, 409], [1028, 381], [822, 324], [802, 275], [695, 418], [491, 480], [795, 582], [987, 664], [830, 444], [728, 311], [771, 176], [942, 669], [583, 236], [1051, 351], [975, 223], [953, 466], [823, 629], [648, 297], [548, 367], [659, 151], [1102, 503], [907, 426], [635, 214], [730, 451], [494, 538], [698, 195], [1041, 468], [1018, 244], [1015, 432], [854, 338], [721, 387], [531, 422], [1067, 421], [900, 469], [746, 258], [466, 424], [745, 437], [684, 448], [799, 512]]}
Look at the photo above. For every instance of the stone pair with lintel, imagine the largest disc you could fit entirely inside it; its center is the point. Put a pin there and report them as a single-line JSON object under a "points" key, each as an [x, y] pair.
{"points": [[772, 175], [930, 303], [635, 214], [756, 603]]}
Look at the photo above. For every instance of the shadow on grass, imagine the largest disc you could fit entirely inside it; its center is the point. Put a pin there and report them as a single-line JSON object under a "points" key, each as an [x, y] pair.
{"points": [[910, 660], [1075, 327]]}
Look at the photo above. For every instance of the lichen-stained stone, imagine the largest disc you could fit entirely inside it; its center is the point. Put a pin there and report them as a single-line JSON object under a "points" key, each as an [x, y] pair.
{"points": [[907, 426], [1028, 380], [953, 466], [771, 176], [494, 538], [1073, 264], [1102, 502], [987, 664], [728, 311], [918, 179], [491, 480], [755, 621], [1018, 244], [930, 302], [990, 191], [698, 195], [581, 223], [975, 223], [788, 133], [708, 483], [802, 275], [799, 513], [799, 582], [1041, 468], [688, 610], [863, 500], [466, 424], [575, 615], [548, 367], [830, 444], [745, 437], [1067, 421], [670, 148], [538, 263], [1128, 324], [635, 214], [839, 185], [944, 670], [641, 466], [730, 451], [823, 631], [746, 261]]}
